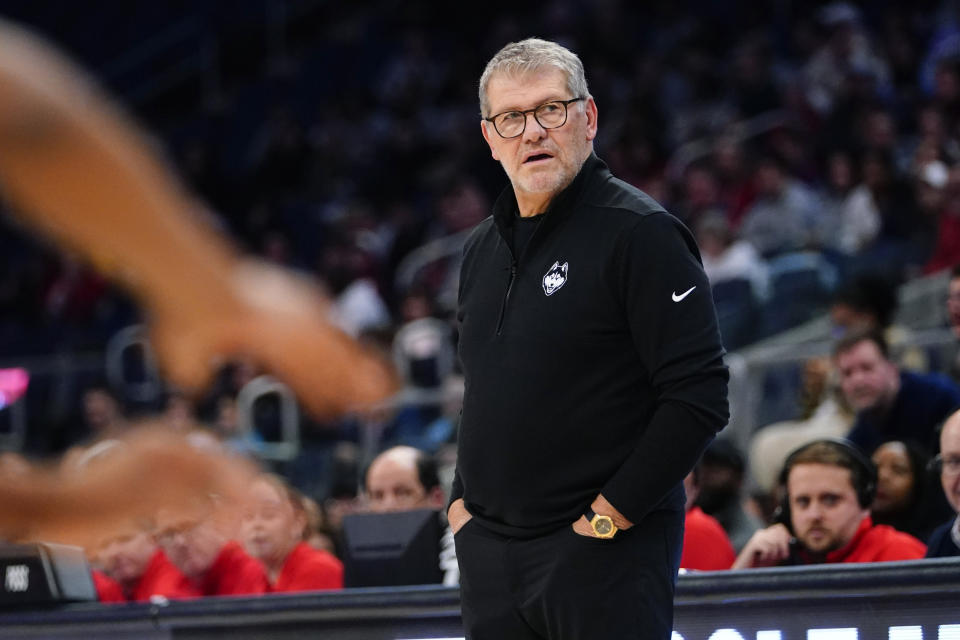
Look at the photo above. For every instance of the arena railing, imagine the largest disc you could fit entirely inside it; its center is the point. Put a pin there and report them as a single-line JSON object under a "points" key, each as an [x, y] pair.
{"points": [[913, 600]]}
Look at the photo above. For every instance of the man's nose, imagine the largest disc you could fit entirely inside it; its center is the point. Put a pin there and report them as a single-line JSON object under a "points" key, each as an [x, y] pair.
{"points": [[532, 129]]}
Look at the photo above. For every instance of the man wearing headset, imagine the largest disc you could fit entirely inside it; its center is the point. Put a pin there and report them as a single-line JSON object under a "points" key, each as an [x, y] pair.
{"points": [[825, 517]]}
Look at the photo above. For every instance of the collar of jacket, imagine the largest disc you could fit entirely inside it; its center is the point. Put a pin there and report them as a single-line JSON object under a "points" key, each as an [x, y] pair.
{"points": [[505, 207]]}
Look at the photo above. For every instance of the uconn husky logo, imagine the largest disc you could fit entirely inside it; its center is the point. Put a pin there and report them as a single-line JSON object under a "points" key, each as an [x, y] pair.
{"points": [[555, 278]]}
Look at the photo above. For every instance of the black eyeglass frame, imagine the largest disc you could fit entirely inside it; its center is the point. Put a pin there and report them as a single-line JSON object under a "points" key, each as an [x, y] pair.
{"points": [[935, 464], [566, 112]]}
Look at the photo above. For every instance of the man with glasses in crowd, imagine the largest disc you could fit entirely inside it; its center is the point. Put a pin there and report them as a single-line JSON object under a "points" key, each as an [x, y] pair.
{"points": [[594, 376], [199, 544], [945, 540]]}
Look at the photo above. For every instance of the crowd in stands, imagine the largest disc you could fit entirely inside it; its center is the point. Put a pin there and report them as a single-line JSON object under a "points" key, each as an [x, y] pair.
{"points": [[813, 148]]}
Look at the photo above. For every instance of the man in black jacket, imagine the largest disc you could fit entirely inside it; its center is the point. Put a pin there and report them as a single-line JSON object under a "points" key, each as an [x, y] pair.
{"points": [[945, 540], [594, 376]]}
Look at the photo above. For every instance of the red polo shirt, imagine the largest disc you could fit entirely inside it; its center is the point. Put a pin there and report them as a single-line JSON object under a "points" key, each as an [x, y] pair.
{"points": [[234, 573], [108, 590], [162, 578], [878, 543], [308, 569], [706, 546]]}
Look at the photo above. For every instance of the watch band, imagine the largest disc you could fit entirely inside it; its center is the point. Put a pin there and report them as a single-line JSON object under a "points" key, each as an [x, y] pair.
{"points": [[603, 526]]}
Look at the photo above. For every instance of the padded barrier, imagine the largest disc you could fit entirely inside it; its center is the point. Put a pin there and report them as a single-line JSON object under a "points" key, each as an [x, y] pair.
{"points": [[889, 601]]}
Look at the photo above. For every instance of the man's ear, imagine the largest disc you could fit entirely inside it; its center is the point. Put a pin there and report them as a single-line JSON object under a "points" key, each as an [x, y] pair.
{"points": [[436, 498], [485, 129], [590, 109]]}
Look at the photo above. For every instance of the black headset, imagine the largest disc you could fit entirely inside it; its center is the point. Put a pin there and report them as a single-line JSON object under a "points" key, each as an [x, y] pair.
{"points": [[863, 474]]}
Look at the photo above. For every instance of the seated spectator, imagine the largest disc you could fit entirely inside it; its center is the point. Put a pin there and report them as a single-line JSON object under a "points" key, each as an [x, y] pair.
{"points": [[953, 320], [890, 403], [720, 491], [706, 546], [102, 419], [947, 251], [108, 589], [404, 478], [273, 531], [135, 561], [829, 487], [727, 258], [868, 302], [785, 215], [200, 546], [316, 532], [945, 540], [824, 414], [905, 499]]}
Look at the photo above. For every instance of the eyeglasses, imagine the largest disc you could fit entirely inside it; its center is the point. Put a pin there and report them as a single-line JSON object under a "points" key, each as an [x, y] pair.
{"points": [[949, 466], [549, 115]]}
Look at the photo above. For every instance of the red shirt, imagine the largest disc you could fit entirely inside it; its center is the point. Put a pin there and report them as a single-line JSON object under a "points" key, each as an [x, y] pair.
{"points": [[162, 578], [108, 590], [878, 543], [234, 573], [308, 569], [706, 546], [947, 251]]}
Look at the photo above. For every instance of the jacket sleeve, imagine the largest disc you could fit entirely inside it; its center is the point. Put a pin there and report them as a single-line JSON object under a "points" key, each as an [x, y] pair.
{"points": [[673, 324]]}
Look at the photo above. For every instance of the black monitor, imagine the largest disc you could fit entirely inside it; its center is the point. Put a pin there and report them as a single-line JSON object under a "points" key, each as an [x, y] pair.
{"points": [[44, 573], [392, 549]]}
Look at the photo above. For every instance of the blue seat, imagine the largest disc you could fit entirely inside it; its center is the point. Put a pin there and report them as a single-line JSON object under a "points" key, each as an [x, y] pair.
{"points": [[801, 284], [738, 312]]}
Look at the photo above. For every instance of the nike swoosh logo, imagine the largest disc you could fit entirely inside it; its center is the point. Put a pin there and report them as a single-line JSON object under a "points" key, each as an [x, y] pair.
{"points": [[678, 298]]}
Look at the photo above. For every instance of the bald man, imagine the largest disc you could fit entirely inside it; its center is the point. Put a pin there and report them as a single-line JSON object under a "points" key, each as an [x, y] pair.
{"points": [[403, 479], [945, 540]]}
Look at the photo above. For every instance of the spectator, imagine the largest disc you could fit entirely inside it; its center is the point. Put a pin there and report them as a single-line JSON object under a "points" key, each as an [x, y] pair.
{"points": [[727, 258], [868, 302], [849, 219], [824, 413], [706, 546], [316, 533], [404, 478], [108, 589], [953, 321], [200, 545], [102, 413], [947, 251], [135, 561], [845, 50], [737, 188], [829, 486], [784, 216], [905, 499], [273, 529], [945, 540], [890, 402], [720, 491], [929, 187]]}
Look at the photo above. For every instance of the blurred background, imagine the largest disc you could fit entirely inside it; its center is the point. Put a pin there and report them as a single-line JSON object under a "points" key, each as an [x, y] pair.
{"points": [[808, 145]]}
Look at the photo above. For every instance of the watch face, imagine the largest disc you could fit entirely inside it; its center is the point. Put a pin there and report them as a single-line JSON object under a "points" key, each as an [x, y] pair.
{"points": [[603, 526]]}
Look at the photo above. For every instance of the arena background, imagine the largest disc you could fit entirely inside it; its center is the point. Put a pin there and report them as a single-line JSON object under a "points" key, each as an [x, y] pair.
{"points": [[341, 139]]}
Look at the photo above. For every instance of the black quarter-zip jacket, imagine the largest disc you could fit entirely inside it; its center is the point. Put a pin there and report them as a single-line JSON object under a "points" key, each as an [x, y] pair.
{"points": [[592, 361]]}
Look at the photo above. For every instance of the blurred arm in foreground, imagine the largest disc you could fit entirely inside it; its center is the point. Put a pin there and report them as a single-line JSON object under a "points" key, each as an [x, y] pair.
{"points": [[75, 167]]}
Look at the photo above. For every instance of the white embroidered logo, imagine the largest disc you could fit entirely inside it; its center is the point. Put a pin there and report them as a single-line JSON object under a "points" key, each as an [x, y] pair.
{"points": [[555, 277], [17, 578], [678, 298]]}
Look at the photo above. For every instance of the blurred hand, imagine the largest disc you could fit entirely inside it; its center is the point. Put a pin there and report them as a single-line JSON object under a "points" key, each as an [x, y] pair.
{"points": [[766, 548]]}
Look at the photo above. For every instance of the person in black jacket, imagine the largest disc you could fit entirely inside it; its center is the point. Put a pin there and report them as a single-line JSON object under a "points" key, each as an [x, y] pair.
{"points": [[594, 376], [945, 539]]}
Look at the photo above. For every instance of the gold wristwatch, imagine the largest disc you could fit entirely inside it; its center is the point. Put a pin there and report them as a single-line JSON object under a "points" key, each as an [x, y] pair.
{"points": [[602, 526]]}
